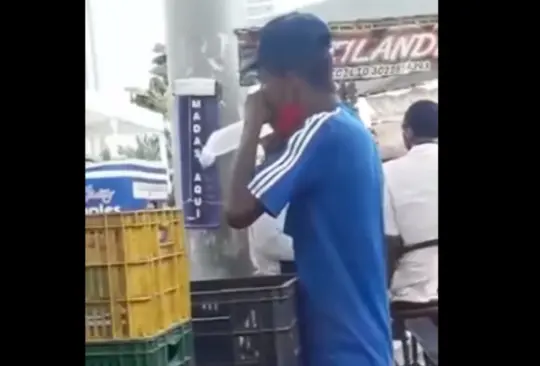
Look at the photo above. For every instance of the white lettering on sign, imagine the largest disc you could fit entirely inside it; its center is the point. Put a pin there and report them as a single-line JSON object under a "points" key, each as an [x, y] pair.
{"points": [[100, 209], [102, 195], [375, 71], [363, 49], [196, 180]]}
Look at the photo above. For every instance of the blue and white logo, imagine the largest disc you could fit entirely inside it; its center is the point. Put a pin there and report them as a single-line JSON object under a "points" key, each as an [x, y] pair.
{"points": [[126, 185], [99, 200]]}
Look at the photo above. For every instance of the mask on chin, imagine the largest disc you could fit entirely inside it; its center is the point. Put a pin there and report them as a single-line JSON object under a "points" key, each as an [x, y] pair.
{"points": [[289, 119]]}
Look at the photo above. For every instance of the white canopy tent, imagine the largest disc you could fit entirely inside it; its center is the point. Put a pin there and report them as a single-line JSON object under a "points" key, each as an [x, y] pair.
{"points": [[384, 113], [390, 106], [113, 115]]}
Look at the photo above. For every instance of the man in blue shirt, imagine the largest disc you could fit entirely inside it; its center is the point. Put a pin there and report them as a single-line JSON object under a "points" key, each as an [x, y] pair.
{"points": [[330, 175]]}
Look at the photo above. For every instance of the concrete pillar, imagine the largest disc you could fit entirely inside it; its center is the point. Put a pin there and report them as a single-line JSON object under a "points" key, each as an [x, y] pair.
{"points": [[200, 43]]}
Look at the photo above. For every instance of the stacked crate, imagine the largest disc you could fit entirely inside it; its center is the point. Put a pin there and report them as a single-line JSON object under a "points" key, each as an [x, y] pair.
{"points": [[137, 289], [246, 321]]}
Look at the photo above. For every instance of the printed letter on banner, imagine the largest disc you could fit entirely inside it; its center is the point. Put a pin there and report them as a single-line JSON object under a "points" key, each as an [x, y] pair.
{"points": [[198, 118]]}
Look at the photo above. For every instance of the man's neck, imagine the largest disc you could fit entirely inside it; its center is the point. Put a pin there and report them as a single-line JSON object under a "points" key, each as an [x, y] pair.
{"points": [[423, 141], [322, 103]]}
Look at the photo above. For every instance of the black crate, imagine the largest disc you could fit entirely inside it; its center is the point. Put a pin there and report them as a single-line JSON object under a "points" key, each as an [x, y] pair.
{"points": [[245, 321], [410, 350], [288, 267]]}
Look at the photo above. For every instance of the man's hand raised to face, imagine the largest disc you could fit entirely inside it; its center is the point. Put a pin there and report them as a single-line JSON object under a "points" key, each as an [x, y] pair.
{"points": [[242, 207], [256, 111], [272, 143]]}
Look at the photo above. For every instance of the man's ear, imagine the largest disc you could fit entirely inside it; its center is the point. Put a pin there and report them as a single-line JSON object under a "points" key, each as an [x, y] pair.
{"points": [[407, 133], [407, 136]]}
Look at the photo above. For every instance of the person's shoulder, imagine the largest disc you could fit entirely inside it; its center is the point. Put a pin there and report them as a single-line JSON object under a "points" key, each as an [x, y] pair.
{"points": [[343, 123], [315, 123], [315, 129], [343, 114], [392, 164], [337, 128], [394, 167]]}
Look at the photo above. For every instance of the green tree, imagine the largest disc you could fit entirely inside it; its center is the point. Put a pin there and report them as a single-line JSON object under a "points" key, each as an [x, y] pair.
{"points": [[155, 98], [157, 95], [147, 148], [105, 154]]}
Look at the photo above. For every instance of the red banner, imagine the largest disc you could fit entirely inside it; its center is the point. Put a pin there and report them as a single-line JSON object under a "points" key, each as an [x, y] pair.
{"points": [[367, 49]]}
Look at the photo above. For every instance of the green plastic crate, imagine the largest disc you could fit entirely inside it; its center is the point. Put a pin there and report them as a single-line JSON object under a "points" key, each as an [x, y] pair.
{"points": [[171, 348]]}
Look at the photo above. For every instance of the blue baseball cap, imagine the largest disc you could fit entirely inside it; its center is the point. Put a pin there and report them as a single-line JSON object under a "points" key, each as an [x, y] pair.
{"points": [[292, 42]]}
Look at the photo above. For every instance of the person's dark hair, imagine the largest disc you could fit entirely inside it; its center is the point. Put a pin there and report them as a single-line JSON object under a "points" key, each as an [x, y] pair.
{"points": [[422, 117]]}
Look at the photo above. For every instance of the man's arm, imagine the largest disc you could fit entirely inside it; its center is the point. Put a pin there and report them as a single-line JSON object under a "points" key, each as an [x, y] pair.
{"points": [[393, 240], [272, 188], [242, 209]]}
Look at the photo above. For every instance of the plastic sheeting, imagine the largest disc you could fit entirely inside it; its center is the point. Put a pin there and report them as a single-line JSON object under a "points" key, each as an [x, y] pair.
{"points": [[385, 112], [390, 106], [114, 114], [109, 115]]}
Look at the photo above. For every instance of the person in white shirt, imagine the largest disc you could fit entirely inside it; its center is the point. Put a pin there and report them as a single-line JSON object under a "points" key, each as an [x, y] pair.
{"points": [[268, 244], [411, 216]]}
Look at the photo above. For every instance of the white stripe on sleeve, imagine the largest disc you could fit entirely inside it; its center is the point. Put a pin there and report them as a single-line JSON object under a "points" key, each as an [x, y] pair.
{"points": [[291, 146], [295, 148]]}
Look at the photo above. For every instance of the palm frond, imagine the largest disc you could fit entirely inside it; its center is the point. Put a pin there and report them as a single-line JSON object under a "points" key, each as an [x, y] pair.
{"points": [[156, 99]]}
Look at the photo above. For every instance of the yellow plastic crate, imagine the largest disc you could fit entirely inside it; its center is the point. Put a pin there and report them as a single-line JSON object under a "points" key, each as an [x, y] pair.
{"points": [[137, 274]]}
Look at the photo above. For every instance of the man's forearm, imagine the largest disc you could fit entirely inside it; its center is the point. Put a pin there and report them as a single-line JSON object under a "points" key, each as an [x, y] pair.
{"points": [[240, 201]]}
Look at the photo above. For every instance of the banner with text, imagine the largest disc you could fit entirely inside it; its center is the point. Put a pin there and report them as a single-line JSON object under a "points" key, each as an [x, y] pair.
{"points": [[366, 49], [201, 191]]}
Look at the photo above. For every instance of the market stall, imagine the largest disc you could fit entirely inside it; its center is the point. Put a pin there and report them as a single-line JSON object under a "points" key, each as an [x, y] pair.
{"points": [[383, 112]]}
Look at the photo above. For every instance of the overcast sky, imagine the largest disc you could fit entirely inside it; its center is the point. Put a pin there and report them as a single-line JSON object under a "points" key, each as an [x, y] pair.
{"points": [[125, 32]]}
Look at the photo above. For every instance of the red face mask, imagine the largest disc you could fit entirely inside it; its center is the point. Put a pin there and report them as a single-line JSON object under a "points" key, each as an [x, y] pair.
{"points": [[289, 119]]}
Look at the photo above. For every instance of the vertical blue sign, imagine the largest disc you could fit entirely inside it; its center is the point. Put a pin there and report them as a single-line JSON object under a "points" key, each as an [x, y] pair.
{"points": [[201, 191]]}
